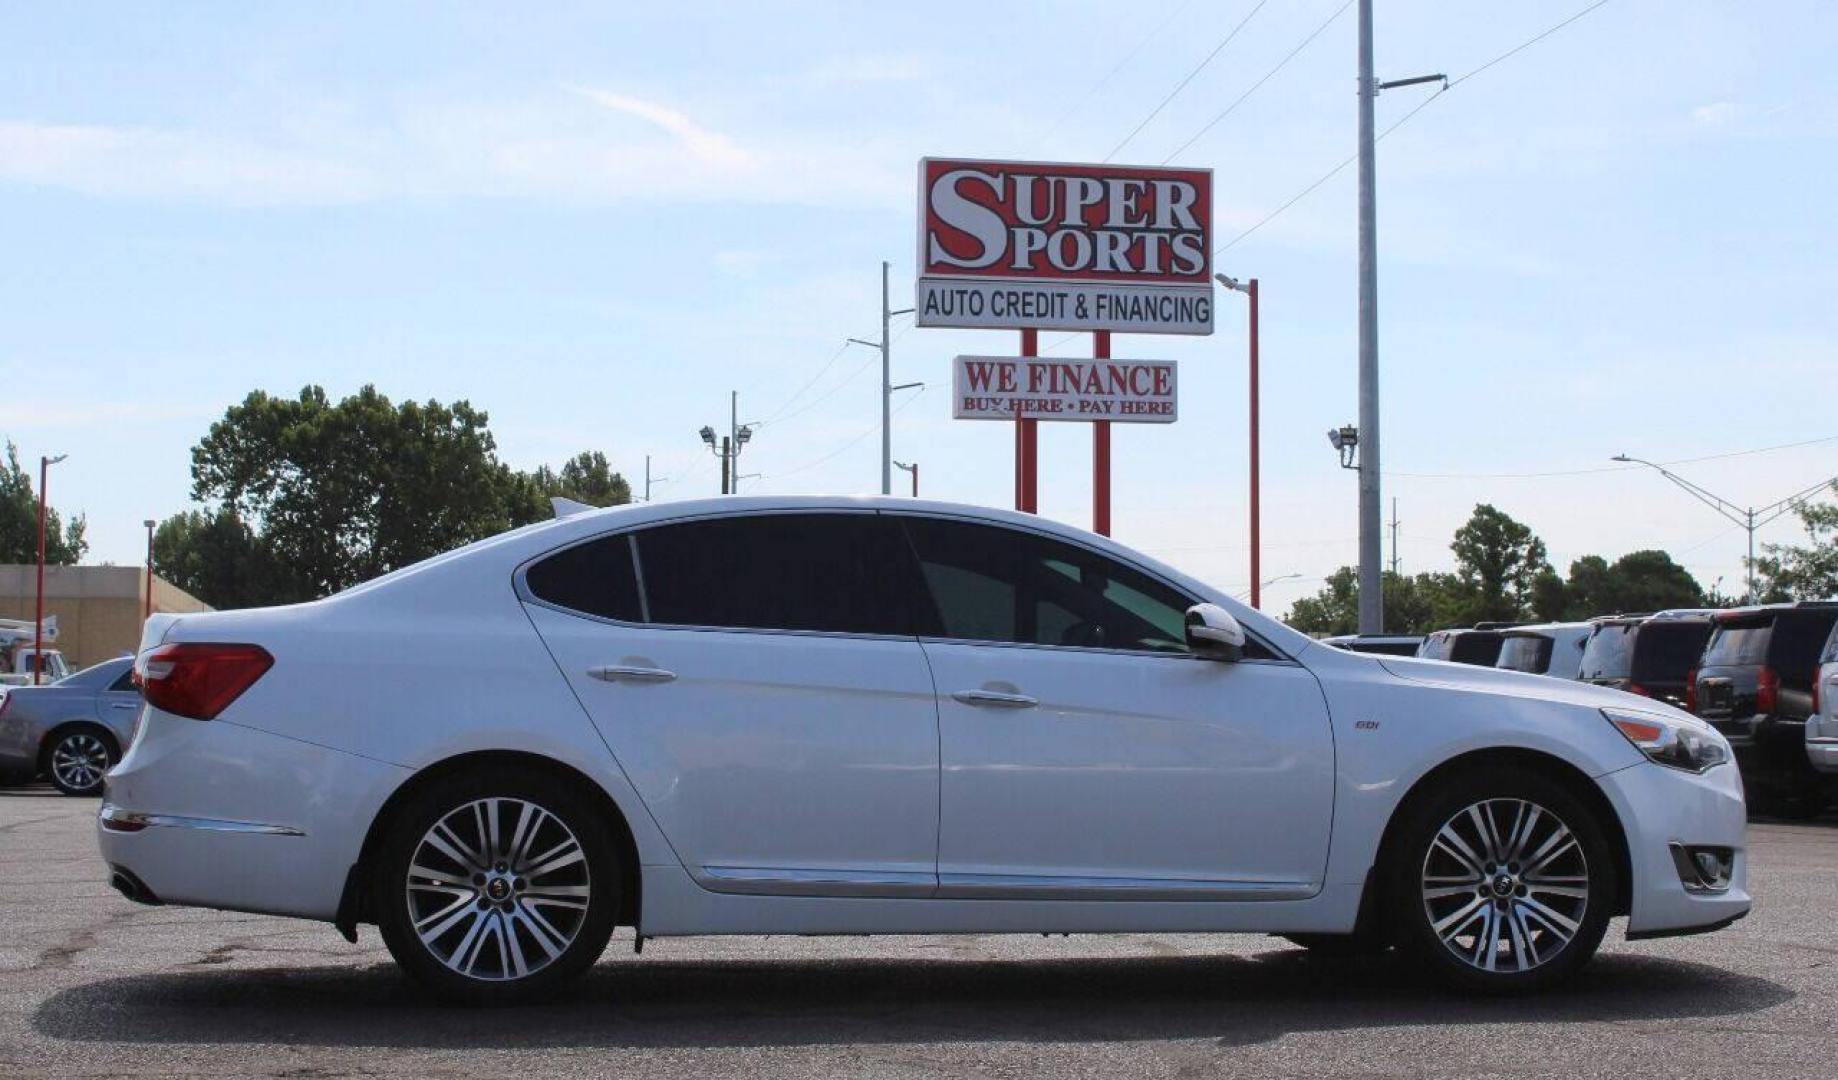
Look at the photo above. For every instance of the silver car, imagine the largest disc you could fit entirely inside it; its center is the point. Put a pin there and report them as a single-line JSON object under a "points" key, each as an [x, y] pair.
{"points": [[72, 731]]}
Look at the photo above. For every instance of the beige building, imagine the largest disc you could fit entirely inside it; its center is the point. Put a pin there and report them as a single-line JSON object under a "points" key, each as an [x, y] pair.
{"points": [[98, 608]]}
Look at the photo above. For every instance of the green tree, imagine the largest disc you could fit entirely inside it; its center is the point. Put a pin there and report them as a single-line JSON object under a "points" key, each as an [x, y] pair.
{"points": [[1804, 571], [345, 491], [64, 543], [306, 496], [219, 559], [1413, 605], [1645, 580], [1499, 561]]}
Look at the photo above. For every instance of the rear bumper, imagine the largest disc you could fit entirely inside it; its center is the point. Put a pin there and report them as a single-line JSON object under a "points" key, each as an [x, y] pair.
{"points": [[1659, 807], [213, 814], [1823, 753]]}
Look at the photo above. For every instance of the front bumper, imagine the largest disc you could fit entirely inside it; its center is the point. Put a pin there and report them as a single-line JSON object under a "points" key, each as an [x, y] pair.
{"points": [[213, 814], [1660, 807]]}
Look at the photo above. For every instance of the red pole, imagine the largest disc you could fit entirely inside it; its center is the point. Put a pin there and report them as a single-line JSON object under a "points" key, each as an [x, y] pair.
{"points": [[38, 631], [1100, 451], [1256, 517], [1030, 440]]}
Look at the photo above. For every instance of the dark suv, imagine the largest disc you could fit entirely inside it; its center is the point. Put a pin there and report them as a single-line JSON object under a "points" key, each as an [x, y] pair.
{"points": [[1478, 645], [1649, 655], [1755, 685]]}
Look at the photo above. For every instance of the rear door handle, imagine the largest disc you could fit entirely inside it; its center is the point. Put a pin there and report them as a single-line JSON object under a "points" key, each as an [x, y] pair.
{"points": [[623, 673], [995, 699], [123, 705]]}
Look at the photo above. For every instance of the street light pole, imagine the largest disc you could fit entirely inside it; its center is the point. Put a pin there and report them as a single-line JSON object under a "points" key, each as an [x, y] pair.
{"points": [[38, 631], [914, 470], [1249, 288], [1748, 518], [148, 613], [1371, 596]]}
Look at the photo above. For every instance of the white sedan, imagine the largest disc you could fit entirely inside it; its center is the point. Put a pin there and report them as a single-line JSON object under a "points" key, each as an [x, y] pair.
{"points": [[886, 716]]}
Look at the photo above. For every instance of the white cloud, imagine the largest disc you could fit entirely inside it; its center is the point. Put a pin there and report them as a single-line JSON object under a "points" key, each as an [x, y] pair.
{"points": [[709, 147], [575, 144], [1718, 114]]}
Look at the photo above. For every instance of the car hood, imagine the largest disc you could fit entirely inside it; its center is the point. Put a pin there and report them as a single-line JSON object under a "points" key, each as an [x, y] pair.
{"points": [[1519, 684]]}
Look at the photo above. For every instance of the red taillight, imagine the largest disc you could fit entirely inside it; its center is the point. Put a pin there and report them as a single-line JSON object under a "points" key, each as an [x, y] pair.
{"points": [[1767, 690], [199, 679], [1691, 690]]}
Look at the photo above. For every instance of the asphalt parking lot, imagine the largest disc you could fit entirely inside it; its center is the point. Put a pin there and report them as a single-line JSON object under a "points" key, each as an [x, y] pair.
{"points": [[96, 986]]}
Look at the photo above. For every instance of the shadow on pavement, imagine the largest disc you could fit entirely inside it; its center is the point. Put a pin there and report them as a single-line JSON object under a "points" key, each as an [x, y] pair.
{"points": [[659, 1003]]}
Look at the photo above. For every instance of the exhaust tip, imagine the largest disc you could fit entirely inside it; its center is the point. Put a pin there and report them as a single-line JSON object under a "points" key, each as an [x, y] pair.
{"points": [[125, 883]]}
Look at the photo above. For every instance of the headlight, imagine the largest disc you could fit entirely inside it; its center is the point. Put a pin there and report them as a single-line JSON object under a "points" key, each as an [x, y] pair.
{"points": [[1681, 742]]}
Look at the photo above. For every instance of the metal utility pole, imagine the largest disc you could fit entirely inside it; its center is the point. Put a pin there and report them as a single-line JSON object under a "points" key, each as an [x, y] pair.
{"points": [[1371, 528], [1394, 536], [647, 477], [1371, 598], [727, 464], [733, 434], [1749, 518], [914, 469], [885, 345]]}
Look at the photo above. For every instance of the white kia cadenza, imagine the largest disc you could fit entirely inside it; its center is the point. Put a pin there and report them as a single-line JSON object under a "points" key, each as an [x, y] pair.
{"points": [[855, 716]]}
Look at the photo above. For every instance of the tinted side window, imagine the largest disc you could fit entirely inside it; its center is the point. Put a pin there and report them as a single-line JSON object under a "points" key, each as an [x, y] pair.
{"points": [[1480, 647], [125, 681], [993, 584], [1798, 638], [842, 573], [595, 578], [1526, 652], [1667, 650]]}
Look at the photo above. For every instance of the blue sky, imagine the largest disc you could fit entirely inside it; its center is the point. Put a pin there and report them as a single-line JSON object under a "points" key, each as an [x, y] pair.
{"points": [[594, 221]]}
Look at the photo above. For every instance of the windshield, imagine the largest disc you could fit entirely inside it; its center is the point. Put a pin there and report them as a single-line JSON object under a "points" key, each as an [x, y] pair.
{"points": [[1609, 654], [1738, 645], [1666, 651], [1526, 652]]}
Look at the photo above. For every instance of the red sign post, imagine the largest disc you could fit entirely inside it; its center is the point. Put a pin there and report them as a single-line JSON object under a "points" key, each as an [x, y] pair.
{"points": [[1031, 246]]}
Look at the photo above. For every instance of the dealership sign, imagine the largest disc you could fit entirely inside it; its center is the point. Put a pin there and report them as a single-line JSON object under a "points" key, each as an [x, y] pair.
{"points": [[1051, 388], [1013, 245]]}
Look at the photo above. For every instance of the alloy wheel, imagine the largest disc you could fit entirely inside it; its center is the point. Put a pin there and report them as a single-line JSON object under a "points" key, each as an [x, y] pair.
{"points": [[78, 761], [498, 889], [1505, 885]]}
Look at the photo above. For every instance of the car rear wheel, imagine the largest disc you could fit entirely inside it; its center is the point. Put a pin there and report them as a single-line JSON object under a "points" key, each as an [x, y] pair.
{"points": [[1504, 881], [78, 759], [495, 888]]}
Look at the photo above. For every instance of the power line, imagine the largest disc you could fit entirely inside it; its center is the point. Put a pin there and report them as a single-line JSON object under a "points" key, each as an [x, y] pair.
{"points": [[1182, 85], [1229, 109], [812, 381], [1119, 66], [807, 466], [1335, 171], [1611, 468]]}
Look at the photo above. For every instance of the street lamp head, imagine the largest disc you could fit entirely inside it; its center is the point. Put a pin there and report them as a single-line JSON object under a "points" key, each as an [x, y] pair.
{"points": [[744, 434], [149, 523], [1620, 457], [1229, 282], [1344, 437], [54, 460], [708, 435]]}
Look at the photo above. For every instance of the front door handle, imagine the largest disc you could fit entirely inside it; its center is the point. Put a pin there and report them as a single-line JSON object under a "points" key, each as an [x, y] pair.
{"points": [[995, 699], [123, 705], [624, 673]]}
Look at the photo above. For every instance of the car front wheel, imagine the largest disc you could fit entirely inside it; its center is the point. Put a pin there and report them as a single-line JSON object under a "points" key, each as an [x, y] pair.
{"points": [[1504, 881], [496, 888]]}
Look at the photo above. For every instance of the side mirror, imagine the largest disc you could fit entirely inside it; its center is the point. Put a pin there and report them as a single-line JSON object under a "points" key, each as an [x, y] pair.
{"points": [[1212, 633]]}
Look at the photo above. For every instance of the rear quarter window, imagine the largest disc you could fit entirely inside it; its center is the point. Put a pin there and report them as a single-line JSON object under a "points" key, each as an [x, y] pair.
{"points": [[1526, 652], [1609, 653]]}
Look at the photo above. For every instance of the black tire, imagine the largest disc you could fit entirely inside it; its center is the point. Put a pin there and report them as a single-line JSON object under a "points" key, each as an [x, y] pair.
{"points": [[1340, 946], [1533, 906], [77, 758], [528, 925]]}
